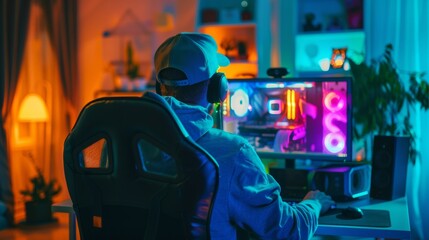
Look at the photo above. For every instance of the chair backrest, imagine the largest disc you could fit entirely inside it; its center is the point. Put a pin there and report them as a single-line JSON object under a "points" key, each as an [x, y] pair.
{"points": [[133, 172]]}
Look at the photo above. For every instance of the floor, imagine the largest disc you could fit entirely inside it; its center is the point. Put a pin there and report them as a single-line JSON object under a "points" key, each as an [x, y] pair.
{"points": [[49, 231]]}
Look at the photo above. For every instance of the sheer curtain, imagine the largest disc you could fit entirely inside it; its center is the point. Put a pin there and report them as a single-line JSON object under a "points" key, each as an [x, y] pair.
{"points": [[405, 25]]}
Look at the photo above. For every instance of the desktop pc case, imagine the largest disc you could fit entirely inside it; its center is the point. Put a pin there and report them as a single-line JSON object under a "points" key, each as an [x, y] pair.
{"points": [[292, 118], [299, 119]]}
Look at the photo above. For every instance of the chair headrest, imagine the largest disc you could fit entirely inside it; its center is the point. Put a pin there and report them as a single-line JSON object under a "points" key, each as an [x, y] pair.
{"points": [[159, 99]]}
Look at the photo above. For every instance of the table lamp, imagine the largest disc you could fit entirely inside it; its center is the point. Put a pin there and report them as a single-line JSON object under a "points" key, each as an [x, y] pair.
{"points": [[33, 109]]}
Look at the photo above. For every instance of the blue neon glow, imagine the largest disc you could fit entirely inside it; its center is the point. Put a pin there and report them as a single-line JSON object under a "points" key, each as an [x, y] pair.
{"points": [[312, 49], [291, 85]]}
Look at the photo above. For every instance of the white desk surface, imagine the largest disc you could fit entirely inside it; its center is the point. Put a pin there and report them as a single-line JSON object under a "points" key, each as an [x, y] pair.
{"points": [[399, 218], [64, 206], [67, 207], [398, 209]]}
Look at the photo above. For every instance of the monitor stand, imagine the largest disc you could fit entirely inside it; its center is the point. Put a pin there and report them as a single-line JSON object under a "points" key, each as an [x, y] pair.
{"points": [[290, 163]]}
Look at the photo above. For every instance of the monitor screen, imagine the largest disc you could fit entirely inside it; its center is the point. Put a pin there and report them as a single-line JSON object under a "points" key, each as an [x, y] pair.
{"points": [[292, 118]]}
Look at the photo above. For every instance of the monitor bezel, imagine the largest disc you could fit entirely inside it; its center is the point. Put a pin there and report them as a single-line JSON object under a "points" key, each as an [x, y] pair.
{"points": [[309, 155]]}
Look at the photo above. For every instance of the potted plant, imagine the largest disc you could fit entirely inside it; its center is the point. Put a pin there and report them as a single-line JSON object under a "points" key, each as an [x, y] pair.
{"points": [[38, 199], [132, 67], [382, 102], [138, 81]]}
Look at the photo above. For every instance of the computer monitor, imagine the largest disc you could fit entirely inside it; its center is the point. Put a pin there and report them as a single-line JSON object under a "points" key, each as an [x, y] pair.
{"points": [[292, 118]]}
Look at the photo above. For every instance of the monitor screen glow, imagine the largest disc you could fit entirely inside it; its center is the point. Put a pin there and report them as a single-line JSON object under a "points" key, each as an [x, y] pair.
{"points": [[292, 118]]}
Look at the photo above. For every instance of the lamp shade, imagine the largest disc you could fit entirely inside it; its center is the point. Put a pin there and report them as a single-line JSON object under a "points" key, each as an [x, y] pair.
{"points": [[33, 109]]}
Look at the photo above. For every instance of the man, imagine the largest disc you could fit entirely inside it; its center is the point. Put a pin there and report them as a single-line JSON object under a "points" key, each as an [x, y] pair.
{"points": [[248, 199]]}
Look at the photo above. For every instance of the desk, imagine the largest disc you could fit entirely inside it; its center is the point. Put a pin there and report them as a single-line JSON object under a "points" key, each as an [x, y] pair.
{"points": [[399, 219], [398, 209], [67, 207]]}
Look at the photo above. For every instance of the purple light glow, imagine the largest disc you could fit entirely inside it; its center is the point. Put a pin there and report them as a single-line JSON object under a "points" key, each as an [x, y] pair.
{"points": [[334, 142], [334, 102], [328, 121], [337, 169]]}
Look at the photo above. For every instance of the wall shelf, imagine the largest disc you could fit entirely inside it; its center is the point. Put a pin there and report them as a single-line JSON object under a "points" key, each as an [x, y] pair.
{"points": [[241, 26]]}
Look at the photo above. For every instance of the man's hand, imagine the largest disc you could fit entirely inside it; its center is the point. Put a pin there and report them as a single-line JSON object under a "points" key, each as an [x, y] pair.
{"points": [[324, 200]]}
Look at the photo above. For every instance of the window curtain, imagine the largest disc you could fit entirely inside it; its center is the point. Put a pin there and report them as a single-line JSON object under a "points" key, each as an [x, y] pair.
{"points": [[32, 144], [61, 18], [404, 24], [61, 22], [49, 70], [13, 28]]}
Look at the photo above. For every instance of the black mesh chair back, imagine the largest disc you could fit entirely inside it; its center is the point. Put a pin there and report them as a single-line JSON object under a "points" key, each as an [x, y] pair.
{"points": [[133, 172]]}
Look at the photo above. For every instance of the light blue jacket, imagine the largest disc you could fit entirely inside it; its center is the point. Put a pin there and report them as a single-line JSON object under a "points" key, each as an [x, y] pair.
{"points": [[248, 197]]}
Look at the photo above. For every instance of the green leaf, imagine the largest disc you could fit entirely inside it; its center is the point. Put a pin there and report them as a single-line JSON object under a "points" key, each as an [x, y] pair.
{"points": [[382, 103], [41, 189]]}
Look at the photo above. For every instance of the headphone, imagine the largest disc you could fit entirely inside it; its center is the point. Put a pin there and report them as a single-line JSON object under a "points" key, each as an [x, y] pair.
{"points": [[216, 91]]}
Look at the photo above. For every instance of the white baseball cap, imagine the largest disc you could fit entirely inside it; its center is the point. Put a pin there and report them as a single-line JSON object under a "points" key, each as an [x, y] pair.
{"points": [[193, 53]]}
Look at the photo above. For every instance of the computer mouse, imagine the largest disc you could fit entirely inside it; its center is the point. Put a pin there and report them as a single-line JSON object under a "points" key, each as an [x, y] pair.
{"points": [[352, 213]]}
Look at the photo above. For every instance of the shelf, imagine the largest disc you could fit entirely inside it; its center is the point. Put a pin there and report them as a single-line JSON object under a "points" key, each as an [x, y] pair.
{"points": [[335, 15], [320, 27], [241, 30], [333, 32], [240, 70], [243, 54], [230, 24], [313, 48], [234, 61], [330, 73], [212, 12]]}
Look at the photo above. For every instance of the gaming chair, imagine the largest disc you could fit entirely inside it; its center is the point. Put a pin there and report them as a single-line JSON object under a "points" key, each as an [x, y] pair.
{"points": [[133, 172]]}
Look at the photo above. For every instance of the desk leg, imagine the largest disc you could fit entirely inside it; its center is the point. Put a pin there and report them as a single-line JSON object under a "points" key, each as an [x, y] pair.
{"points": [[72, 226]]}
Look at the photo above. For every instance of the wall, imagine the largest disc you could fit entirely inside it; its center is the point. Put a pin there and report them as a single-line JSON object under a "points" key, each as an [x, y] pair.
{"points": [[97, 16]]}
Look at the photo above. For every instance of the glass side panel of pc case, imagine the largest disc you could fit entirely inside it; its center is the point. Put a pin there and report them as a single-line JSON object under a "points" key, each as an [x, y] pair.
{"points": [[292, 118]]}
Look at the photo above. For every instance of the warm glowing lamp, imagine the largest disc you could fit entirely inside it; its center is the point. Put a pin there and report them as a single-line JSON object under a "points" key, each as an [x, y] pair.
{"points": [[33, 109], [338, 57]]}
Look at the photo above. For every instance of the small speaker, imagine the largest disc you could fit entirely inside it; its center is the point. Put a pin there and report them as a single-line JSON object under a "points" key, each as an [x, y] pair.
{"points": [[343, 182], [389, 167]]}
